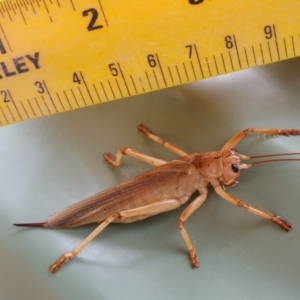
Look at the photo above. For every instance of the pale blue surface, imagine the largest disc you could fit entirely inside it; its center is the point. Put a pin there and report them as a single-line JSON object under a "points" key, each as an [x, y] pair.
{"points": [[49, 163]]}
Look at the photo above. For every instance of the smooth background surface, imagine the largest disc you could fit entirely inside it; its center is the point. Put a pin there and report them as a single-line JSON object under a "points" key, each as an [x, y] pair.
{"points": [[47, 164]]}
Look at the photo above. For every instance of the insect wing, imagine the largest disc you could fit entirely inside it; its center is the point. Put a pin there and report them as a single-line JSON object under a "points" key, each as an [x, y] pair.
{"points": [[159, 183]]}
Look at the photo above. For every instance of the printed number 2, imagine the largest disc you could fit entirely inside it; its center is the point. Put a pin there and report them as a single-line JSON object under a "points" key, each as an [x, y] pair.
{"points": [[94, 18], [5, 95]]}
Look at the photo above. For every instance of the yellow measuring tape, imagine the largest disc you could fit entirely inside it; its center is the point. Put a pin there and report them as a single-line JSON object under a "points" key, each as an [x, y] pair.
{"points": [[61, 55]]}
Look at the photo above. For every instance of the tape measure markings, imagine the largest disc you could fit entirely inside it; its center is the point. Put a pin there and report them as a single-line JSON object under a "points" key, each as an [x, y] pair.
{"points": [[156, 72], [6, 9], [153, 81], [154, 61]]}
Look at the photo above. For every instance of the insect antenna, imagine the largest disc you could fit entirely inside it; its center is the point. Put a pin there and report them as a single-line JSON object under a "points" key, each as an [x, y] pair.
{"points": [[270, 160]]}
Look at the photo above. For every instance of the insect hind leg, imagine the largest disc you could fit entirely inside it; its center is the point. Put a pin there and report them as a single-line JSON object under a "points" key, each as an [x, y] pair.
{"points": [[116, 162], [126, 216]]}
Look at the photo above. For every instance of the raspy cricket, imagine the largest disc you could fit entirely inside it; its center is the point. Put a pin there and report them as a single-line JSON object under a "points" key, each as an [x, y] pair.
{"points": [[166, 187]]}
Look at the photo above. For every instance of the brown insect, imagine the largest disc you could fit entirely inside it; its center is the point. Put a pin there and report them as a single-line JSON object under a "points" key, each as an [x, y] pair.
{"points": [[163, 188]]}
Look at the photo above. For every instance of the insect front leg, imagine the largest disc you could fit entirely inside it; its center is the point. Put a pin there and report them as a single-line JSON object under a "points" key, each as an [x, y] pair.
{"points": [[235, 201], [116, 162], [265, 131], [125, 216], [148, 133], [183, 217]]}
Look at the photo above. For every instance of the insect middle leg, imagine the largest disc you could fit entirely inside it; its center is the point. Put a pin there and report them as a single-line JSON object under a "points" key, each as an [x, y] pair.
{"points": [[183, 217], [125, 216], [235, 201], [116, 162], [148, 133]]}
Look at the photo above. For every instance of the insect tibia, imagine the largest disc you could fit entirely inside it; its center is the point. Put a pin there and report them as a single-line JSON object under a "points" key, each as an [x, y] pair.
{"points": [[288, 132], [41, 224], [270, 132]]}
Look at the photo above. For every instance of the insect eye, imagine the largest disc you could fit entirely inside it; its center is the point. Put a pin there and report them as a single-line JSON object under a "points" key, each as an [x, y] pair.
{"points": [[234, 168]]}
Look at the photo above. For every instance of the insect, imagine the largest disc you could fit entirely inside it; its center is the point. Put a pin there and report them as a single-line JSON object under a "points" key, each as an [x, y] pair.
{"points": [[164, 188]]}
